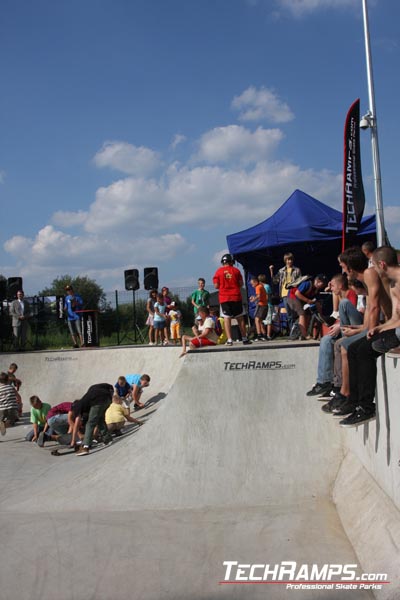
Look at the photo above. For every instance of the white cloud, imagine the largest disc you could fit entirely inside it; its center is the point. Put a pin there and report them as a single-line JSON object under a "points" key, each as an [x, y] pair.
{"points": [[53, 249], [126, 206], [178, 139], [182, 215], [236, 143], [262, 104], [202, 196], [299, 8], [64, 218], [127, 158]]}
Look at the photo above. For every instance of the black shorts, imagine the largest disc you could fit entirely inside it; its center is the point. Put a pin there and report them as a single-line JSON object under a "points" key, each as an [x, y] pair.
{"points": [[261, 312], [232, 309]]}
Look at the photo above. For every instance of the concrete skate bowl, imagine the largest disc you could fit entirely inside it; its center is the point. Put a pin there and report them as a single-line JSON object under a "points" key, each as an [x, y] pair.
{"points": [[234, 464]]}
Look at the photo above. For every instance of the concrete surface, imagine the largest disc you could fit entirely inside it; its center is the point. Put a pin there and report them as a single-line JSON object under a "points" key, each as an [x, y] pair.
{"points": [[234, 463]]}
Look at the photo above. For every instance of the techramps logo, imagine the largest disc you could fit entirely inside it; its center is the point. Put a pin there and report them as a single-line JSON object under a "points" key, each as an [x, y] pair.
{"points": [[294, 576], [258, 365]]}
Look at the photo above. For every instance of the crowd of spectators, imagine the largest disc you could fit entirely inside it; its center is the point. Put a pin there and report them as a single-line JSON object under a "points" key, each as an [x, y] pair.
{"points": [[364, 323]]}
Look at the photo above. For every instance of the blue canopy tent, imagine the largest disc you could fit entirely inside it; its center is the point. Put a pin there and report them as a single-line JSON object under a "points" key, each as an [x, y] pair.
{"points": [[302, 225]]}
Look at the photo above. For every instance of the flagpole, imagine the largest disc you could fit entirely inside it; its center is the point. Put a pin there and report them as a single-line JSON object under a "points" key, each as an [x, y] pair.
{"points": [[370, 119]]}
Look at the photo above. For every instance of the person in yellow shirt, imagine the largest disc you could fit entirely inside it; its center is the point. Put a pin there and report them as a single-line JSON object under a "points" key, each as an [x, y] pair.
{"points": [[284, 277], [116, 416]]}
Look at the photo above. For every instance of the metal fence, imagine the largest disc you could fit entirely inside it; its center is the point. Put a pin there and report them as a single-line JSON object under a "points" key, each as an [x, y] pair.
{"points": [[121, 319]]}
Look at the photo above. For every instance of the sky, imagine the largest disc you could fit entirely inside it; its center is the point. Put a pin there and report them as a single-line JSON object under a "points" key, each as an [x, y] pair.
{"points": [[141, 133]]}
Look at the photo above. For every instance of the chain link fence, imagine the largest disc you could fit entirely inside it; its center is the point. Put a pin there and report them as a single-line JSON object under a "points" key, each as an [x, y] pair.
{"points": [[121, 320]]}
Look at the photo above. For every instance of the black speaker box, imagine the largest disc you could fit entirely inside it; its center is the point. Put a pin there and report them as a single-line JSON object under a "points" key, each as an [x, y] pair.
{"points": [[132, 279], [150, 278], [14, 284], [3, 289]]}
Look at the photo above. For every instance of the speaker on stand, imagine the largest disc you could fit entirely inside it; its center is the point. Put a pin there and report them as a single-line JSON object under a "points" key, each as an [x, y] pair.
{"points": [[150, 278], [132, 283]]}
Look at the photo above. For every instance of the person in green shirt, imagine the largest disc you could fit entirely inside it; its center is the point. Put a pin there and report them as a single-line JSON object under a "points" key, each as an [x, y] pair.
{"points": [[200, 297], [39, 411]]}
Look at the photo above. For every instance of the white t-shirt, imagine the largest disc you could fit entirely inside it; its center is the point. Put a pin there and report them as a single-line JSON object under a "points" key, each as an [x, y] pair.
{"points": [[209, 324]]}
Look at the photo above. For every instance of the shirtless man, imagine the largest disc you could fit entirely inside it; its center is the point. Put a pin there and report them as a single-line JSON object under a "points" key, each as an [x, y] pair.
{"points": [[387, 335], [361, 356]]}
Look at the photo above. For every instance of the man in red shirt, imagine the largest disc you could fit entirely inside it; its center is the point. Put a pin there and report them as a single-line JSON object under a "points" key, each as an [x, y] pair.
{"points": [[228, 281]]}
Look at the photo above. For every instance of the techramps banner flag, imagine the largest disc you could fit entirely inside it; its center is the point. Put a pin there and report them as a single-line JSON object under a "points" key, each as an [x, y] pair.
{"points": [[353, 189]]}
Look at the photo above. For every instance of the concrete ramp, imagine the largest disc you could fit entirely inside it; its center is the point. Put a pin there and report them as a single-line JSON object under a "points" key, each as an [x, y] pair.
{"points": [[235, 464]]}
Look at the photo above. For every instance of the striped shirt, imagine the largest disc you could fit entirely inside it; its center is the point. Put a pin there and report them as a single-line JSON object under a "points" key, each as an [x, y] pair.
{"points": [[8, 398]]}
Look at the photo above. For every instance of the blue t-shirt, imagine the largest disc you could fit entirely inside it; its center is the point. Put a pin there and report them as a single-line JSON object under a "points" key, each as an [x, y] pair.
{"points": [[122, 390], [68, 305], [267, 288], [305, 287], [133, 380], [162, 308]]}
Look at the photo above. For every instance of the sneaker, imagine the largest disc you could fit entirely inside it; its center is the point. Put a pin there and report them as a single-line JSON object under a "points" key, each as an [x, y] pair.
{"points": [[83, 450], [118, 433], [359, 416], [344, 409], [262, 339], [319, 389], [327, 408], [40, 440], [335, 390], [246, 342], [386, 341], [107, 441], [333, 403], [229, 343], [339, 398], [325, 396], [2, 428]]}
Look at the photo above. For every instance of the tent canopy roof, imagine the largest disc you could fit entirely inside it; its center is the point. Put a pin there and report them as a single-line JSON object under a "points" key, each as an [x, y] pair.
{"points": [[302, 224]]}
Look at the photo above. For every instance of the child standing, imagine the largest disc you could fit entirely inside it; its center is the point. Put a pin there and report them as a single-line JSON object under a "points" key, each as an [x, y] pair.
{"points": [[175, 323], [260, 298], [268, 319], [160, 321]]}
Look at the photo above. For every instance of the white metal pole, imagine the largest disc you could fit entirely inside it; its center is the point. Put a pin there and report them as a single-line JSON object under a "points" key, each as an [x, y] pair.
{"points": [[380, 226]]}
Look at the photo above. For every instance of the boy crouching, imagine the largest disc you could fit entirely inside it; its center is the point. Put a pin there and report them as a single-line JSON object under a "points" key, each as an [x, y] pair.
{"points": [[116, 415]]}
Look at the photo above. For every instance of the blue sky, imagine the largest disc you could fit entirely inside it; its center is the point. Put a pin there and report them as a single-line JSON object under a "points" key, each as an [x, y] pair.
{"points": [[141, 133]]}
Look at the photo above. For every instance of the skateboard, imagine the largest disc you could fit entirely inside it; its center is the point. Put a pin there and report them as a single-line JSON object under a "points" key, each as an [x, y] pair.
{"points": [[64, 446]]}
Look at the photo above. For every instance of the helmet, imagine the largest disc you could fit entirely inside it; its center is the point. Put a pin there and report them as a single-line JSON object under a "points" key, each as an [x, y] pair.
{"points": [[227, 259]]}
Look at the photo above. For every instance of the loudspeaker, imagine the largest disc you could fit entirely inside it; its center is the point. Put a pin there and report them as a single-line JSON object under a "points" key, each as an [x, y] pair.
{"points": [[3, 289], [150, 278], [132, 279], [13, 285]]}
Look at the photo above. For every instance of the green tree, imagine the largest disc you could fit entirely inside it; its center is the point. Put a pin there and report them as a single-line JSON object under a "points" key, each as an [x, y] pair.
{"points": [[92, 294]]}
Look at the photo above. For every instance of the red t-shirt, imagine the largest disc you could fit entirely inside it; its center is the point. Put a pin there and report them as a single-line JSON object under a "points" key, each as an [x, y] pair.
{"points": [[352, 296], [229, 281]]}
